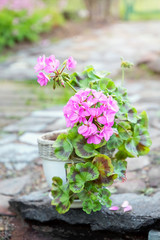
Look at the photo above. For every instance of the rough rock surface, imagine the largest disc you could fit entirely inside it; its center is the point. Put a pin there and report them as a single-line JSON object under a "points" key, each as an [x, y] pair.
{"points": [[36, 206]]}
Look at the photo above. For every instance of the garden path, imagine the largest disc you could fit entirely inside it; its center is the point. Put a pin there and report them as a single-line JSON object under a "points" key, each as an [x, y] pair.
{"points": [[101, 47]]}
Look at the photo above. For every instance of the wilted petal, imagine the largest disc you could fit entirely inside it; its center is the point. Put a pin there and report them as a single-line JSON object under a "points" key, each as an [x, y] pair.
{"points": [[114, 208], [128, 208], [125, 204]]}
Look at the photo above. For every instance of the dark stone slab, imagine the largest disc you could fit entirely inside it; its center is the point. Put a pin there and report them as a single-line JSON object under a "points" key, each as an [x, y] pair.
{"points": [[145, 213]]}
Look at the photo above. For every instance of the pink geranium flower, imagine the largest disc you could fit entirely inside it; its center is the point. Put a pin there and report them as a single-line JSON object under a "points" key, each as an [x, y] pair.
{"points": [[106, 132], [40, 64], [88, 128], [112, 104], [71, 63], [107, 118], [93, 112], [94, 138], [42, 79], [52, 64]]}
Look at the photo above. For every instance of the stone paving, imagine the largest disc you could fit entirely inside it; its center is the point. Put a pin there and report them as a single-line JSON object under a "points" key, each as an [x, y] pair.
{"points": [[20, 167], [101, 47]]}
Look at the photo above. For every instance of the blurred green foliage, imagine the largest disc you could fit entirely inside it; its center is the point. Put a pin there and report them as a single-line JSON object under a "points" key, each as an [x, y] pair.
{"points": [[139, 9], [16, 26]]}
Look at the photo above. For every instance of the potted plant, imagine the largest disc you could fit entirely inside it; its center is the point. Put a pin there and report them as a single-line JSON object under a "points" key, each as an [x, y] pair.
{"points": [[103, 130]]}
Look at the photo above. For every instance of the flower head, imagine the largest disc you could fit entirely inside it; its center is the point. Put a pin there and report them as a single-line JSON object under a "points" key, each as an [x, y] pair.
{"points": [[42, 79], [93, 112], [71, 63]]}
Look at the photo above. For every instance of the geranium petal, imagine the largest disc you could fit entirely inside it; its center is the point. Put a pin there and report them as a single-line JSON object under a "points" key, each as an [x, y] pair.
{"points": [[128, 208], [125, 204], [114, 208]]}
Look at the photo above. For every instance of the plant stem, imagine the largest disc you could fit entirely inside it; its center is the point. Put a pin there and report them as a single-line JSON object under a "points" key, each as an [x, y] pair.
{"points": [[71, 87], [122, 82], [62, 69]]}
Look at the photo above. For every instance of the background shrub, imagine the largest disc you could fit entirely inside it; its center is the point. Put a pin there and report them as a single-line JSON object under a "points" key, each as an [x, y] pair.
{"points": [[24, 24]]}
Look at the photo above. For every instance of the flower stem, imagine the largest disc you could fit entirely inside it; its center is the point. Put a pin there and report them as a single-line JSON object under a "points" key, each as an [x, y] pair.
{"points": [[97, 125], [71, 86], [62, 69]]}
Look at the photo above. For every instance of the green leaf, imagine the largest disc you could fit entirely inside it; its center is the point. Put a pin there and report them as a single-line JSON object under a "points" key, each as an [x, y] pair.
{"points": [[61, 195], [121, 154], [91, 205], [83, 149], [72, 133], [105, 151], [56, 182], [142, 140], [126, 109], [120, 167], [107, 84], [143, 121], [89, 198], [62, 147], [104, 165], [114, 142], [124, 130], [104, 197], [100, 145], [132, 115], [111, 86], [107, 181], [130, 147], [103, 83], [80, 174], [140, 143], [91, 73], [121, 95]]}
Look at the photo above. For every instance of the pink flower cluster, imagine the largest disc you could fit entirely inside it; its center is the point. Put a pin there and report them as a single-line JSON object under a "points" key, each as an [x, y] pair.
{"points": [[18, 5], [50, 65], [93, 112]]}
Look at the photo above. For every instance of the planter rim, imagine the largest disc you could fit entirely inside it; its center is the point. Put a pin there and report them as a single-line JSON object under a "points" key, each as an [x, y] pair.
{"points": [[48, 138], [45, 145]]}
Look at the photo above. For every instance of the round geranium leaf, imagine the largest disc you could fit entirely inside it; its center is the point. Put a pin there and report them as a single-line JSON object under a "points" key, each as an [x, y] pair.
{"points": [[80, 174], [62, 147]]}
